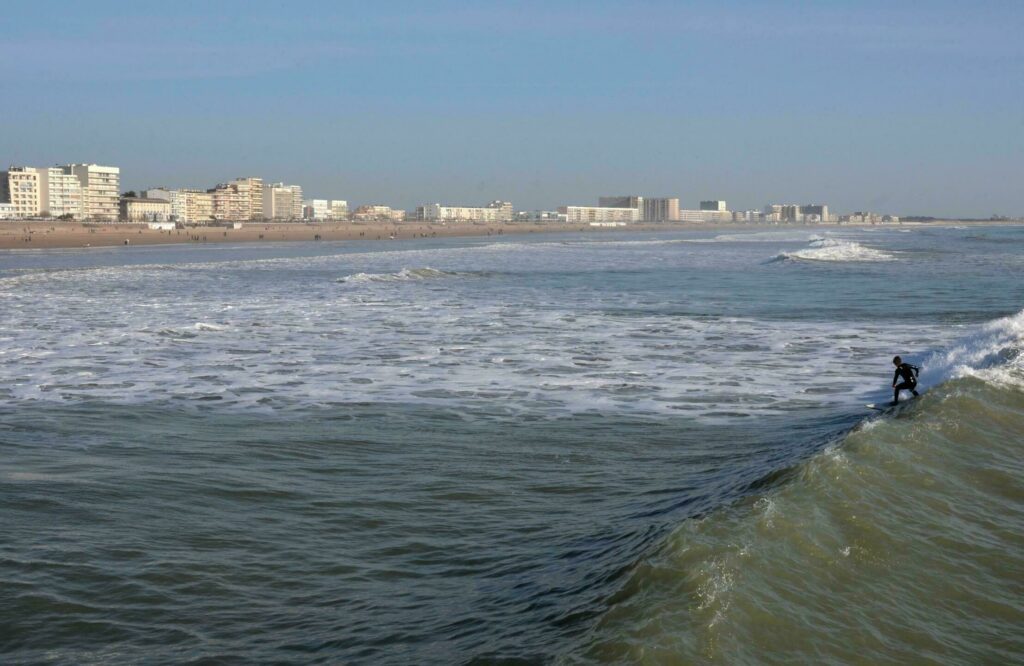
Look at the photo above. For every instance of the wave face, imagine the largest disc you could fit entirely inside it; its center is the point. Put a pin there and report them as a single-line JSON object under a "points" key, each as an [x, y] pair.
{"points": [[901, 543]]}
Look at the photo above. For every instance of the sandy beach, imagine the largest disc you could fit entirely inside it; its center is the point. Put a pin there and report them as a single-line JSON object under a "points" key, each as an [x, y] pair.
{"points": [[42, 234], [25, 235]]}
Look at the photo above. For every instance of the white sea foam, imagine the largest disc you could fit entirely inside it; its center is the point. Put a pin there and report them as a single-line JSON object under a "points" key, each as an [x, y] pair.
{"points": [[831, 249], [284, 338], [994, 353], [403, 275]]}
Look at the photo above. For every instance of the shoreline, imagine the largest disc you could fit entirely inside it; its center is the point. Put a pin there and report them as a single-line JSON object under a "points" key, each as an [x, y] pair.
{"points": [[32, 235]]}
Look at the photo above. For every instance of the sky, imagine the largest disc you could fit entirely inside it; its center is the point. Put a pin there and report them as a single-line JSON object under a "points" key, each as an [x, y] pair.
{"points": [[912, 108]]}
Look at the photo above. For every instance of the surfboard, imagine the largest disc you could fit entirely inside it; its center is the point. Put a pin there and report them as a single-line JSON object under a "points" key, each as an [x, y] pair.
{"points": [[889, 407]]}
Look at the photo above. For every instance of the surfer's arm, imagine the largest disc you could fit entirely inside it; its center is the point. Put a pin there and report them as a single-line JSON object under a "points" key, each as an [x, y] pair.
{"points": [[895, 376]]}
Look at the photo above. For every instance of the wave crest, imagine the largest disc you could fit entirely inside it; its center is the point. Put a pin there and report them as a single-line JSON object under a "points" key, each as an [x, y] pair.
{"points": [[404, 275], [831, 249]]}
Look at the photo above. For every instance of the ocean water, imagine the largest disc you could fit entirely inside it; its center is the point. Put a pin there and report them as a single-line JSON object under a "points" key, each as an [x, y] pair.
{"points": [[601, 448]]}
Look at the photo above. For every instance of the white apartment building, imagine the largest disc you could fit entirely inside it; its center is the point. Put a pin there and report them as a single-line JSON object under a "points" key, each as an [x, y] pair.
{"points": [[100, 189], [317, 209], [590, 214], [61, 193], [282, 202], [20, 187], [496, 211], [796, 214], [338, 209], [705, 216]]}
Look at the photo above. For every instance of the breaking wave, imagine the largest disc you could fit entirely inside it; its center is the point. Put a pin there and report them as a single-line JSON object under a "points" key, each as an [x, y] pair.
{"points": [[831, 249], [897, 543], [404, 275]]}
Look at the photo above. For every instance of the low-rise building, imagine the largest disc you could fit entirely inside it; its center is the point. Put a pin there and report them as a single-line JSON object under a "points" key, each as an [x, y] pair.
{"points": [[496, 211], [589, 214], [709, 216], [540, 216], [7, 211], [144, 209], [378, 212]]}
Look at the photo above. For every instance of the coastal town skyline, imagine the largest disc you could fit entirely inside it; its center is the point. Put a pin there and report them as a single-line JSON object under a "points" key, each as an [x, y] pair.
{"points": [[534, 102], [93, 192]]}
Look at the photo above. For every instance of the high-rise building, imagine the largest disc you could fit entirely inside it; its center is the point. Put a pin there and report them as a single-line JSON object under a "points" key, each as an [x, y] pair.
{"points": [[713, 204], [339, 209], [282, 202], [316, 209], [652, 209], [100, 189], [198, 206], [660, 209], [20, 187], [61, 193], [815, 213], [251, 188]]}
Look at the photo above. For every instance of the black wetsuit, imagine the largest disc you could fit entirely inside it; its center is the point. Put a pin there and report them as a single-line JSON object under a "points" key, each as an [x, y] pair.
{"points": [[909, 375]]}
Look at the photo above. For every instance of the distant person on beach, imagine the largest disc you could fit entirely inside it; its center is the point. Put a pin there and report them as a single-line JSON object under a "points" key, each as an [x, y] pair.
{"points": [[906, 372]]}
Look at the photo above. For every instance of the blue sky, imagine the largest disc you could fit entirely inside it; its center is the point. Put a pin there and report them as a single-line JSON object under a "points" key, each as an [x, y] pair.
{"points": [[904, 107]]}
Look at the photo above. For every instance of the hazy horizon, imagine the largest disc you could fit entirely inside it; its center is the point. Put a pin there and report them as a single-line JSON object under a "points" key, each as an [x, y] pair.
{"points": [[860, 105]]}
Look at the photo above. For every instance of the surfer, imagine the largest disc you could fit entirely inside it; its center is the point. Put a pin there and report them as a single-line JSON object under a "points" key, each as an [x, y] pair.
{"points": [[906, 372]]}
